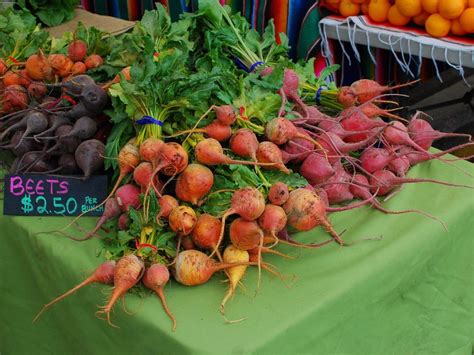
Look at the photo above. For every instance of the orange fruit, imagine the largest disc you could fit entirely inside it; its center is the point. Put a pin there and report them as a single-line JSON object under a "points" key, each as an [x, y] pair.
{"points": [[364, 8], [409, 8], [430, 6], [360, 2], [437, 26], [378, 10], [470, 3], [421, 18], [467, 20], [451, 9], [332, 5], [396, 18], [348, 8], [456, 28]]}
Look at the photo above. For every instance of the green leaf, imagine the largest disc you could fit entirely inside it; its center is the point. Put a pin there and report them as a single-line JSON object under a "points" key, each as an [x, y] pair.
{"points": [[51, 12], [293, 180], [328, 71], [156, 23], [217, 204], [212, 9], [136, 222], [103, 73], [122, 132], [19, 35], [51, 17]]}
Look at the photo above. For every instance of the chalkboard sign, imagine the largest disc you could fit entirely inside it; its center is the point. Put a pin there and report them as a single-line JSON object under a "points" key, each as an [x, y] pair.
{"points": [[52, 195]]}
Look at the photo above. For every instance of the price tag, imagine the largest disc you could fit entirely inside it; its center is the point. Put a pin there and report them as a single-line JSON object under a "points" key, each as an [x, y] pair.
{"points": [[49, 195]]}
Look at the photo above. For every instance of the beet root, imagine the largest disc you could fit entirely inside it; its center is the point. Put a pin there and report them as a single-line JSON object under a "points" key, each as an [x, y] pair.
{"points": [[90, 156], [128, 271], [385, 181], [423, 134], [103, 274], [305, 210], [194, 183]]}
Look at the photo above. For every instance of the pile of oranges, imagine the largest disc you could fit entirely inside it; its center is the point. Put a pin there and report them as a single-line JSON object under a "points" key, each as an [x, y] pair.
{"points": [[439, 17]]}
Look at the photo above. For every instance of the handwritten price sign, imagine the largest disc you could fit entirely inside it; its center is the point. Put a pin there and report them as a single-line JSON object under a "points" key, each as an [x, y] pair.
{"points": [[44, 195]]}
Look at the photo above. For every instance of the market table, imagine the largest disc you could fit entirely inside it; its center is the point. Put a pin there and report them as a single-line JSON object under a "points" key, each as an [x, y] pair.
{"points": [[410, 293]]}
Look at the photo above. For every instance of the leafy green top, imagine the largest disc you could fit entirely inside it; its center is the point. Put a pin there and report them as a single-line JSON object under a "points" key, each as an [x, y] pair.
{"points": [[50, 12], [20, 37], [149, 235]]}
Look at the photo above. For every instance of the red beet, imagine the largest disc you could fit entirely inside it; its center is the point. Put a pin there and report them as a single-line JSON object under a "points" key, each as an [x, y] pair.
{"points": [[127, 196], [266, 71], [111, 211], [354, 120], [423, 134], [373, 159], [298, 148], [385, 181], [336, 147], [397, 134], [316, 169], [359, 188], [315, 115], [416, 157], [336, 189], [365, 89], [399, 166], [335, 127], [123, 221], [89, 155], [155, 278], [77, 50]]}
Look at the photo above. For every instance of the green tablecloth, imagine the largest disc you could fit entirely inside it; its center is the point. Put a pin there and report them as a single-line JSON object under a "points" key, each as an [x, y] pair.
{"points": [[411, 293]]}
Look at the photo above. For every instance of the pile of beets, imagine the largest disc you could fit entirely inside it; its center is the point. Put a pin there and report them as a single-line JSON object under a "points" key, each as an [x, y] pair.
{"points": [[62, 133], [357, 154]]}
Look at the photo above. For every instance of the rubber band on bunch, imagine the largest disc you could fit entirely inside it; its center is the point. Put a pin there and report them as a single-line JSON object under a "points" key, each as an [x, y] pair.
{"points": [[242, 66], [148, 120], [317, 98], [145, 245]]}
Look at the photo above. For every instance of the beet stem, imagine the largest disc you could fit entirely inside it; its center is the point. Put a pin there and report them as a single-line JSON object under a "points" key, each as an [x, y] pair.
{"points": [[352, 206], [276, 252], [87, 281], [415, 180], [294, 243], [162, 297], [379, 207], [221, 236]]}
